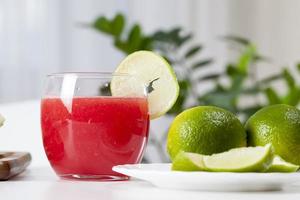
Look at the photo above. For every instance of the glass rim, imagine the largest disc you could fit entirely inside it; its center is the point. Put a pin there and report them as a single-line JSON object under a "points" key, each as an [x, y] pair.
{"points": [[89, 74]]}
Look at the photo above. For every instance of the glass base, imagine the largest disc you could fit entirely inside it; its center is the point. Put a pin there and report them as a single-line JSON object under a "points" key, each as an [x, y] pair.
{"points": [[93, 177]]}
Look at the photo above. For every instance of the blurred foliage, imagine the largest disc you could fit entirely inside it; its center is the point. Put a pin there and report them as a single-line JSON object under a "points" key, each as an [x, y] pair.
{"points": [[237, 73], [292, 95], [185, 57]]}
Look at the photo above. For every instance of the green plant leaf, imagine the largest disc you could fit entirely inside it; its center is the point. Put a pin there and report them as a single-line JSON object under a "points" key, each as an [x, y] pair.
{"points": [[175, 32], [193, 51], [175, 37], [160, 36], [202, 63], [270, 79], [251, 91], [231, 69], [171, 37], [249, 111], [257, 58], [102, 24], [298, 66], [289, 78], [224, 100], [184, 39], [272, 96], [210, 76], [117, 25], [146, 44], [237, 82], [237, 39], [123, 46], [134, 38], [293, 97], [246, 58], [178, 107], [220, 87]]}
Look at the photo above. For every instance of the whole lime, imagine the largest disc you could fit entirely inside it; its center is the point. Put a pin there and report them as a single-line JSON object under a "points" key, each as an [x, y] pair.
{"points": [[205, 130], [278, 125]]}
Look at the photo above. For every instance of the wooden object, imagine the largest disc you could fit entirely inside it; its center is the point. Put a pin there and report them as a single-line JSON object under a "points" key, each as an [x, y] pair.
{"points": [[13, 163]]}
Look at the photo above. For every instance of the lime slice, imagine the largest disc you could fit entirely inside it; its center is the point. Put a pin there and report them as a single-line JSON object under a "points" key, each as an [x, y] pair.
{"points": [[244, 159], [280, 165], [185, 161], [151, 74]]}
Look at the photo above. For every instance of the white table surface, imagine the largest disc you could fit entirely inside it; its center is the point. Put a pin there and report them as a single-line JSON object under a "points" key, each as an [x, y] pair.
{"points": [[39, 183], [21, 132]]}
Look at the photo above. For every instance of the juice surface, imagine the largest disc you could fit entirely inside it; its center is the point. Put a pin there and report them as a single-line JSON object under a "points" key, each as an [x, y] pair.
{"points": [[89, 135]]}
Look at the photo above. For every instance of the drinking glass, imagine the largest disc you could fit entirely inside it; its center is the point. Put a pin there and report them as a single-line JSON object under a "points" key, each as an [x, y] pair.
{"points": [[86, 131]]}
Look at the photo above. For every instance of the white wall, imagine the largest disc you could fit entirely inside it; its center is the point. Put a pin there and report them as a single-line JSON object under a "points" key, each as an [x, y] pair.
{"points": [[38, 37], [274, 25], [42, 36]]}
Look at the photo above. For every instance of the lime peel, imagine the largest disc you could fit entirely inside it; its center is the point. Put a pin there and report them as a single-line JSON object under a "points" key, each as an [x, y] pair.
{"points": [[185, 161], [280, 165]]}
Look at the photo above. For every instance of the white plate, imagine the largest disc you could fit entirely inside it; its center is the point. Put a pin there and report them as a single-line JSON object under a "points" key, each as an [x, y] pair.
{"points": [[160, 175]]}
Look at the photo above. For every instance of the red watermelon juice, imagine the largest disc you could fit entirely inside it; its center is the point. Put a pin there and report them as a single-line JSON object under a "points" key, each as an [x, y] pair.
{"points": [[85, 137]]}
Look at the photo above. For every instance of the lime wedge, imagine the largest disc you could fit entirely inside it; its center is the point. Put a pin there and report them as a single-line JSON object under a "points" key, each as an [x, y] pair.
{"points": [[185, 161], [244, 159], [151, 74], [280, 165]]}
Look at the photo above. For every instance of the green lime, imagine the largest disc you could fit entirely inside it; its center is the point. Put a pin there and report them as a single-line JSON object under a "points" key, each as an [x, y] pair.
{"points": [[185, 161], [151, 74], [244, 159], [280, 126], [280, 165], [205, 130]]}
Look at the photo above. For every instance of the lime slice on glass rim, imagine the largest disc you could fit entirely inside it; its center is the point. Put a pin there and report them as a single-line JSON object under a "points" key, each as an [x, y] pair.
{"points": [[151, 75], [243, 159]]}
